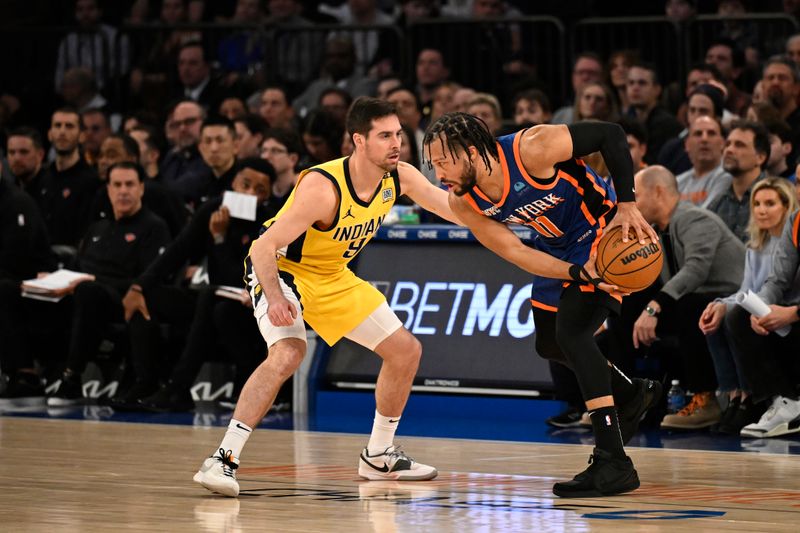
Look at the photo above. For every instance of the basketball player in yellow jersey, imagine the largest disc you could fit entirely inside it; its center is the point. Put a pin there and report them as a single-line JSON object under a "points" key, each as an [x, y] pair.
{"points": [[298, 270]]}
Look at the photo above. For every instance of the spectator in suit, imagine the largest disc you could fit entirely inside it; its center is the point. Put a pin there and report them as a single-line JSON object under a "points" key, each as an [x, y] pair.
{"points": [[703, 261]]}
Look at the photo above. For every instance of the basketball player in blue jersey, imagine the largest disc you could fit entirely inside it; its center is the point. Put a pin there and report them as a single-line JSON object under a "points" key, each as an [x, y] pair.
{"points": [[535, 178], [297, 270]]}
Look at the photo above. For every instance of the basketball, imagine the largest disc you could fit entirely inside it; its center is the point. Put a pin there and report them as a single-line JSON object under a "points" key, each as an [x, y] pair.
{"points": [[628, 265]]}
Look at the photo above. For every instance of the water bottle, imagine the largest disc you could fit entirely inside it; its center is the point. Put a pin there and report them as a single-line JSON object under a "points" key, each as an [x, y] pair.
{"points": [[676, 398]]}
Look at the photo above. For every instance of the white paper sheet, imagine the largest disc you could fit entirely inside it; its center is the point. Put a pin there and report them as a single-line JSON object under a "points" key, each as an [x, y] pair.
{"points": [[60, 279], [240, 205], [757, 307]]}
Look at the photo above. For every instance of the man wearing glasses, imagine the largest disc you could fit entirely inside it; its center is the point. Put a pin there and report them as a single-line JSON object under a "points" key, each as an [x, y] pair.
{"points": [[281, 147], [183, 162]]}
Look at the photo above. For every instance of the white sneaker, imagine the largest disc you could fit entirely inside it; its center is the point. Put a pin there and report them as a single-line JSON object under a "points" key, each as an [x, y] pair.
{"points": [[392, 463], [782, 418], [218, 473]]}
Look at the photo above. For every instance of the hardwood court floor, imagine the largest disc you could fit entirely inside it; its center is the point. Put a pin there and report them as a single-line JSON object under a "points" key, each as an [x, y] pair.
{"points": [[82, 476]]}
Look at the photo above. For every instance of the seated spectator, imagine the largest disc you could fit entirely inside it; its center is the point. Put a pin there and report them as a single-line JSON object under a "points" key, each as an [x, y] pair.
{"points": [[219, 146], [24, 252], [149, 152], [336, 102], [282, 148], [241, 50], [617, 68], [114, 251], [644, 91], [250, 134], [729, 59], [183, 162], [704, 261], [68, 188], [79, 90], [25, 155], [162, 201], [386, 84], [222, 242], [706, 180], [443, 100], [431, 71], [321, 137], [408, 111], [780, 147], [96, 128], [773, 200], [637, 142], [770, 361], [94, 46], [587, 68], [486, 107], [780, 84], [232, 108], [195, 80], [338, 70], [275, 108], [595, 101], [744, 158], [462, 97], [704, 100], [297, 52], [531, 107]]}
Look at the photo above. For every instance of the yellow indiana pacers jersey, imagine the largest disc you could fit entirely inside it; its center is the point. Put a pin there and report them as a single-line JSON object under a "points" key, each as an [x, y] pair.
{"points": [[333, 299], [330, 250]]}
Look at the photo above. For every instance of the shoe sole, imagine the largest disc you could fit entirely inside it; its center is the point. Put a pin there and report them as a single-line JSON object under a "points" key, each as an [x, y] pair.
{"points": [[225, 490], [563, 425], [596, 493], [65, 402], [402, 475], [704, 425], [777, 431]]}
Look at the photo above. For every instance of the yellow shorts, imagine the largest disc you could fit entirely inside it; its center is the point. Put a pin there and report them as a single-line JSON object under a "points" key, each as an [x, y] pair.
{"points": [[332, 304]]}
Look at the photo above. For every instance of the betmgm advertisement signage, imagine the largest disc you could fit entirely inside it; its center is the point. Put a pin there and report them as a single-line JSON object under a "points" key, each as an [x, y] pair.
{"points": [[470, 310]]}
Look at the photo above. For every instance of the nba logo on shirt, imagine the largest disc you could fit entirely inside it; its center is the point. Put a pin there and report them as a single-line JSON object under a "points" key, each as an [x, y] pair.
{"points": [[608, 420], [387, 195], [130, 237]]}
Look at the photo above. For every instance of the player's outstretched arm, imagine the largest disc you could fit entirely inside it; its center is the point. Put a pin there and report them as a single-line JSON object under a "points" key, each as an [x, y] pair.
{"points": [[315, 201], [430, 197], [502, 241]]}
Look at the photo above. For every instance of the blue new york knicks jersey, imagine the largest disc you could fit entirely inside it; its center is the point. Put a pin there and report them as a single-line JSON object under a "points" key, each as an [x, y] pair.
{"points": [[568, 210]]}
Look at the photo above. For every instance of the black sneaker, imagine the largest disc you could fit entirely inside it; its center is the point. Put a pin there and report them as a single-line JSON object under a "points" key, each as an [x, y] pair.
{"points": [[633, 412], [168, 399], [69, 392], [727, 416], [745, 414], [131, 399], [605, 476], [571, 418], [24, 391]]}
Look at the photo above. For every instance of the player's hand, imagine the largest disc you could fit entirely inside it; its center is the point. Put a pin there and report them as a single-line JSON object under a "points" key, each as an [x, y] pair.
{"points": [[607, 287], [134, 302], [218, 224], [778, 317], [629, 217], [712, 317], [281, 311], [644, 330]]}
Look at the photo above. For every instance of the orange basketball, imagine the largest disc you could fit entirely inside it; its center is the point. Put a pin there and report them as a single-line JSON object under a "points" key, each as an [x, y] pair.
{"points": [[628, 265]]}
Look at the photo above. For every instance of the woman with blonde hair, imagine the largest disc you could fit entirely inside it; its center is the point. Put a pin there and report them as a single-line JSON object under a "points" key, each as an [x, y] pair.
{"points": [[771, 202]]}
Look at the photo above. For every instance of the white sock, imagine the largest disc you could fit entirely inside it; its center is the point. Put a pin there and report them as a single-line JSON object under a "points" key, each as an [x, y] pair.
{"points": [[382, 435], [236, 437]]}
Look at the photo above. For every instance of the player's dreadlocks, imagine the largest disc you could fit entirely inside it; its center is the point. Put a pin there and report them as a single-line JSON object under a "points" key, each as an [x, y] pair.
{"points": [[461, 131]]}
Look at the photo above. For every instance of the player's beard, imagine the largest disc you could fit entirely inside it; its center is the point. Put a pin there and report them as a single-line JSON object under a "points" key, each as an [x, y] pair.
{"points": [[469, 178]]}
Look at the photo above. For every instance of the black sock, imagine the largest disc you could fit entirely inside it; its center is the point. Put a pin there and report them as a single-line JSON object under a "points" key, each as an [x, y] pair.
{"points": [[607, 436], [621, 387]]}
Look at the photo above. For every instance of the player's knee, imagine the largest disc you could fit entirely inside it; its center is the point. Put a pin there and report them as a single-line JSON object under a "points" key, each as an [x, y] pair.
{"points": [[285, 357], [572, 340]]}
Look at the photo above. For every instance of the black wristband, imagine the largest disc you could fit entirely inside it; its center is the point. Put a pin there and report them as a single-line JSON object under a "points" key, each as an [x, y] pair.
{"points": [[581, 275]]}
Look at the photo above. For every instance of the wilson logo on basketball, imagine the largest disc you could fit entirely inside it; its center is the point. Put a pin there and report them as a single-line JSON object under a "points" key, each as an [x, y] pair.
{"points": [[643, 253]]}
